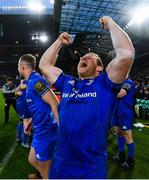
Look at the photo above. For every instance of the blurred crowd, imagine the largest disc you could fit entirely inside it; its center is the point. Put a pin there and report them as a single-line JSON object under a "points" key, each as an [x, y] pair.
{"points": [[141, 80]]}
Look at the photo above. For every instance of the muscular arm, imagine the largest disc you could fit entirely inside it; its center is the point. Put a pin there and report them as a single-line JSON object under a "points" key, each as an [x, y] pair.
{"points": [[52, 100], [120, 65], [48, 59]]}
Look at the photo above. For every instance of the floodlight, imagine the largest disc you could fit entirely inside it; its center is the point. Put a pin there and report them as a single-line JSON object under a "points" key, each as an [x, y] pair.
{"points": [[141, 14], [36, 7], [43, 38]]}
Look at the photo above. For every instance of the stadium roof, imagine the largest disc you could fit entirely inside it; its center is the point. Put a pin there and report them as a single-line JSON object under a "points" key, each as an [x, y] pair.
{"points": [[21, 24], [81, 17]]}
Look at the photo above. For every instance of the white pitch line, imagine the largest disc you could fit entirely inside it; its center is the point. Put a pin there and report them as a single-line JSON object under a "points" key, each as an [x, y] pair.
{"points": [[7, 157]]}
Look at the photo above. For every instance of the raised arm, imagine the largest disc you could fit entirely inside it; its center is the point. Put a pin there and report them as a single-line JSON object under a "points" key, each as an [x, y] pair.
{"points": [[118, 68], [48, 59]]}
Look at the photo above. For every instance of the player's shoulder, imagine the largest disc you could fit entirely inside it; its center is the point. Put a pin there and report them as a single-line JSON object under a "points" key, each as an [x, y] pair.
{"points": [[36, 77], [69, 79], [67, 76], [40, 83], [102, 76]]}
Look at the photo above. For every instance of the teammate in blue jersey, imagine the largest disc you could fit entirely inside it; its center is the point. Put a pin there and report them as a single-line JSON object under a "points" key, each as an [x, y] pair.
{"points": [[41, 102], [23, 112], [86, 106], [122, 120]]}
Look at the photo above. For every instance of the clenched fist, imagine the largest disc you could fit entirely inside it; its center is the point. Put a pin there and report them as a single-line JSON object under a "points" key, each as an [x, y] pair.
{"points": [[65, 38], [122, 93], [105, 20]]}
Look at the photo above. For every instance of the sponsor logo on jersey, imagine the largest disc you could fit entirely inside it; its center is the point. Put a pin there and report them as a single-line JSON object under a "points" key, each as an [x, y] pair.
{"points": [[71, 82], [28, 100], [82, 95], [75, 91], [90, 82]]}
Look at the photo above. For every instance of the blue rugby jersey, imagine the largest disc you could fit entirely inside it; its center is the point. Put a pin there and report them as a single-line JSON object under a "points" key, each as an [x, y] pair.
{"points": [[84, 113], [21, 104], [42, 116], [125, 106]]}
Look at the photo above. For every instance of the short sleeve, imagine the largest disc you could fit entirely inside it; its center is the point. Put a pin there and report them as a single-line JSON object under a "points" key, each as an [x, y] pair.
{"points": [[41, 87], [109, 84], [61, 82], [126, 86]]}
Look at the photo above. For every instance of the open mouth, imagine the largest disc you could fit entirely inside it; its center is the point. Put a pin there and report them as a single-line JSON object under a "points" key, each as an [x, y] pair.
{"points": [[83, 65]]}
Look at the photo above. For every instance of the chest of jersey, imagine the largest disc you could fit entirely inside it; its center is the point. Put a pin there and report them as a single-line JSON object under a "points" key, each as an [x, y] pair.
{"points": [[83, 91]]}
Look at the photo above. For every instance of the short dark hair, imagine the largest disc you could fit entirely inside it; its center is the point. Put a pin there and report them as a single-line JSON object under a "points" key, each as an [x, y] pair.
{"points": [[29, 59], [9, 78]]}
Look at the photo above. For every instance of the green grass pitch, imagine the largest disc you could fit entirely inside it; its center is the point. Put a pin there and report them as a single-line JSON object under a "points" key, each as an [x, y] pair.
{"points": [[18, 167]]}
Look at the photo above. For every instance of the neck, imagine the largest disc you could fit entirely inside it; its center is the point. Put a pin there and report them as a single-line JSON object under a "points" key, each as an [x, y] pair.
{"points": [[88, 77], [26, 76]]}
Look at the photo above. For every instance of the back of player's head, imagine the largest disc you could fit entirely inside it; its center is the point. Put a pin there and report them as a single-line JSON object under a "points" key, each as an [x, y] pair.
{"points": [[29, 60]]}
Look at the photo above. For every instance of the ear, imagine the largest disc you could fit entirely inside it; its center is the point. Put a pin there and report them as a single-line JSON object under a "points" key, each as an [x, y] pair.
{"points": [[99, 68]]}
